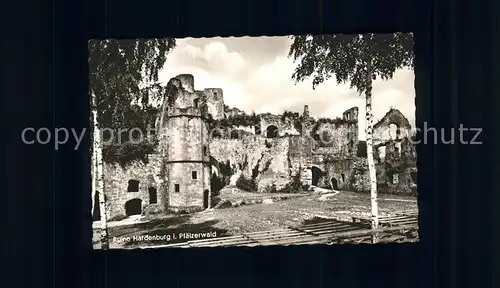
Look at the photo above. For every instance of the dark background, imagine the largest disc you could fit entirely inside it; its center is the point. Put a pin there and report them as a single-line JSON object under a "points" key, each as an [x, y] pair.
{"points": [[48, 239]]}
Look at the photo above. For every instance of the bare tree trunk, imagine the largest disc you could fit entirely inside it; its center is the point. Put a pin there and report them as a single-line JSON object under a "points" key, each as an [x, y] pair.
{"points": [[93, 172], [99, 178], [369, 152]]}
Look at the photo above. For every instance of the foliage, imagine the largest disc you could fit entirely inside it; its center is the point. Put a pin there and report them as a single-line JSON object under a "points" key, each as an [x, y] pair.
{"points": [[296, 117], [123, 72], [246, 184], [232, 121], [347, 57], [226, 171], [318, 123], [414, 191], [266, 166], [391, 170], [118, 68], [289, 115], [272, 189], [294, 186], [216, 184], [127, 153]]}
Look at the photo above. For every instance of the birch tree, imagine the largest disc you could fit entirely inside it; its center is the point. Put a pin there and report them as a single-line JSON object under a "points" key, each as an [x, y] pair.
{"points": [[117, 71], [357, 60]]}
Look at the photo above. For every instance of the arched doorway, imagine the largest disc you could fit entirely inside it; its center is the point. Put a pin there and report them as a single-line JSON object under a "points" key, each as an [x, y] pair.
{"points": [[133, 207], [272, 131], [206, 200], [316, 175], [335, 185]]}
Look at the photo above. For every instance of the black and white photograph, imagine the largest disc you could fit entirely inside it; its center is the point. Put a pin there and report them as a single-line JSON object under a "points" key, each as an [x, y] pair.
{"points": [[253, 141]]}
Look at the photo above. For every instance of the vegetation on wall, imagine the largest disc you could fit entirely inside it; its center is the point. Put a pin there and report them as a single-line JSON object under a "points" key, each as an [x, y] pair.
{"points": [[135, 139], [391, 170], [227, 171], [171, 93], [294, 186], [243, 183], [233, 121], [266, 166], [126, 153], [295, 117], [255, 169]]}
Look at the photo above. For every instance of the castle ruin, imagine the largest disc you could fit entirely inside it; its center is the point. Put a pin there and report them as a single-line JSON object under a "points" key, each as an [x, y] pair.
{"points": [[202, 141]]}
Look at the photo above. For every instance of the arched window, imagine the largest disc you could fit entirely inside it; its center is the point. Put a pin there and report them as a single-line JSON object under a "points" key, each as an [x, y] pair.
{"points": [[272, 131]]}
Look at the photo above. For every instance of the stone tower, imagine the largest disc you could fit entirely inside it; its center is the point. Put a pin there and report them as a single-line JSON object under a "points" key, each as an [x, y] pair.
{"points": [[351, 114], [186, 146], [306, 111]]}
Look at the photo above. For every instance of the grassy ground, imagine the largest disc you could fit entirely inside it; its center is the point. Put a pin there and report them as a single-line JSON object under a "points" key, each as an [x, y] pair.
{"points": [[259, 217]]}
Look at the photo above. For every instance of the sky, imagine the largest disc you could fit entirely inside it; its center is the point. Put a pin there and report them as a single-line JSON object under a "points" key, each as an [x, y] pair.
{"points": [[255, 75]]}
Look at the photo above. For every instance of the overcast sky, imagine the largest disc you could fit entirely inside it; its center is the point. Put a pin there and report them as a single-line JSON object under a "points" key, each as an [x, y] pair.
{"points": [[255, 75]]}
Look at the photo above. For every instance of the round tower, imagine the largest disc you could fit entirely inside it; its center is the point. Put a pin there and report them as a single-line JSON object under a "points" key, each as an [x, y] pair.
{"points": [[187, 82], [187, 157]]}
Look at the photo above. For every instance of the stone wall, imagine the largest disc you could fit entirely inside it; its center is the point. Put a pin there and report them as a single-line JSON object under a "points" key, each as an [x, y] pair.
{"points": [[187, 82], [382, 131], [116, 181], [300, 156], [270, 155], [267, 120], [341, 138], [399, 160], [189, 192], [350, 173], [187, 139], [247, 129], [215, 102], [351, 114]]}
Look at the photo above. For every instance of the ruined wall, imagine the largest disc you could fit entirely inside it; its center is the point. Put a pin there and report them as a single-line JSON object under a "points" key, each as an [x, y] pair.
{"points": [[116, 182], [350, 173], [300, 157], [247, 129], [187, 82], [396, 180], [351, 114], [267, 120], [382, 131], [215, 102], [288, 128], [399, 160], [190, 191], [337, 138], [271, 156]]}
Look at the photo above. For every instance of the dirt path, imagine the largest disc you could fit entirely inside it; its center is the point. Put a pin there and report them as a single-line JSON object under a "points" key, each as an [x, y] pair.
{"points": [[261, 217]]}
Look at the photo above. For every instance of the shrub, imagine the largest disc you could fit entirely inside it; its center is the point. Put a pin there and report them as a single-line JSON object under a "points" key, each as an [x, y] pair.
{"points": [[292, 187], [126, 153], [272, 189], [414, 191], [246, 184]]}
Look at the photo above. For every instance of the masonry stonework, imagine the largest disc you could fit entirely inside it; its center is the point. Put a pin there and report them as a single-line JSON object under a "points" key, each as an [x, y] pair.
{"points": [[189, 156]]}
